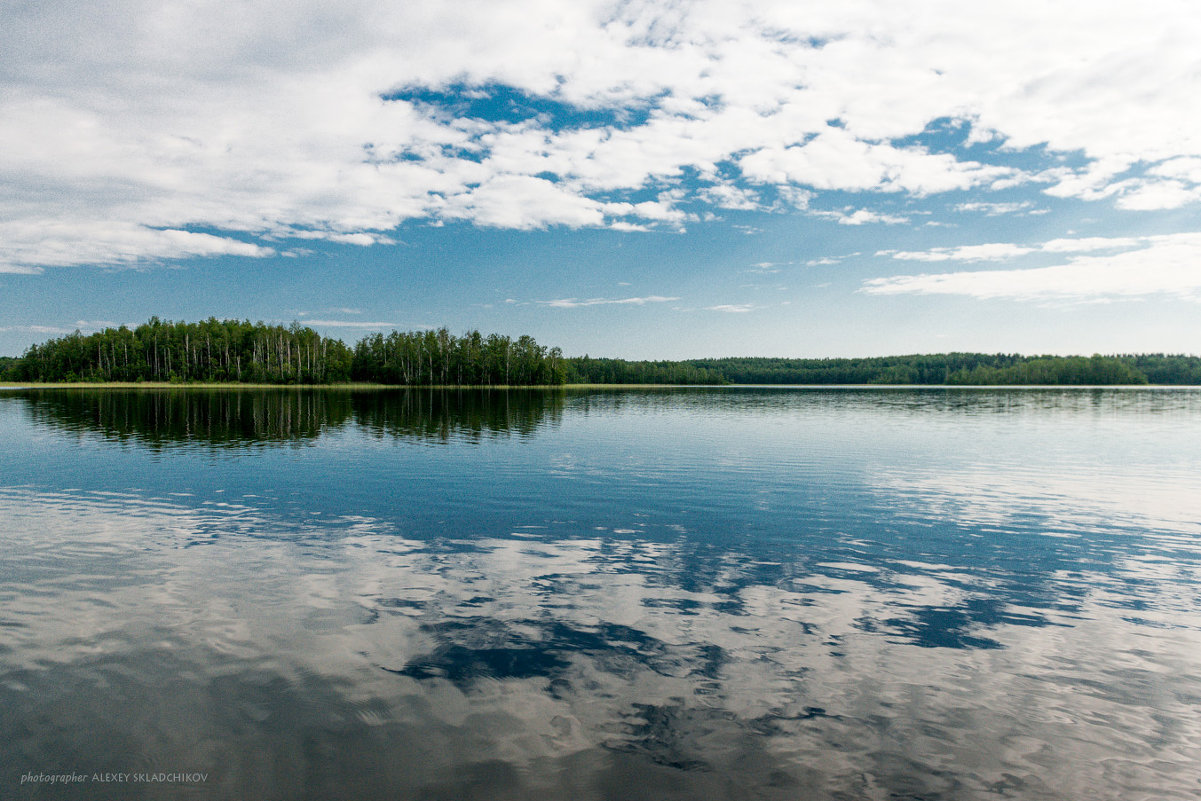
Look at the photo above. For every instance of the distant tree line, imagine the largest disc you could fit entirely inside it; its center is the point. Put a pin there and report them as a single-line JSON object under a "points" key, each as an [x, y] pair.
{"points": [[962, 369], [937, 368], [1054, 370], [588, 370], [240, 351], [1162, 368]]}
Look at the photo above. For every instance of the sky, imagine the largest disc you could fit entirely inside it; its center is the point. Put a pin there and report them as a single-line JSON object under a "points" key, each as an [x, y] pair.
{"points": [[631, 179]]}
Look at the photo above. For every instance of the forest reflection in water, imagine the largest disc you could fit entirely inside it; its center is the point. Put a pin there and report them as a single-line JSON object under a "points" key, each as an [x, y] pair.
{"points": [[656, 595], [245, 417], [249, 417]]}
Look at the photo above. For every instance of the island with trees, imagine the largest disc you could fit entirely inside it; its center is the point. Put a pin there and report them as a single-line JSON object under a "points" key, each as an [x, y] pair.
{"points": [[238, 351]]}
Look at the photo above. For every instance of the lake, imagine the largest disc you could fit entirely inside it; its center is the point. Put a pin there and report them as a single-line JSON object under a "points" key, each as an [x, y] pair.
{"points": [[718, 593]]}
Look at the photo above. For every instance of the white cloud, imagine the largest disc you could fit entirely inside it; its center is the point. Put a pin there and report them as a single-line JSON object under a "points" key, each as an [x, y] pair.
{"points": [[1089, 243], [794, 197], [520, 201], [362, 238], [995, 209], [348, 324], [732, 308], [1155, 195], [860, 217], [835, 159], [133, 131], [1185, 168], [1002, 251], [27, 243], [83, 326], [575, 303], [766, 267], [728, 196], [37, 329], [1167, 265], [993, 251], [19, 269], [622, 225]]}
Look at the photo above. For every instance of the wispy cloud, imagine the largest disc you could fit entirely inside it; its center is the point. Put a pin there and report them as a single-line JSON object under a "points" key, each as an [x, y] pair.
{"points": [[575, 303], [332, 310], [767, 267], [361, 238], [26, 244], [83, 326], [732, 308], [1002, 251], [1165, 265], [37, 329], [860, 217], [992, 209], [992, 251], [349, 324]]}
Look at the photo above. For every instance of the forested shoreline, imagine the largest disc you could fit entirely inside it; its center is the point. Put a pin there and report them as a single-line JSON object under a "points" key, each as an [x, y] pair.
{"points": [[238, 351]]}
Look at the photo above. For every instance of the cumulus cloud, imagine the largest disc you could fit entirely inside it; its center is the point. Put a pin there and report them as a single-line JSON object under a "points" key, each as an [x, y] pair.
{"points": [[728, 196], [134, 131], [1154, 265], [835, 159], [1142, 195]]}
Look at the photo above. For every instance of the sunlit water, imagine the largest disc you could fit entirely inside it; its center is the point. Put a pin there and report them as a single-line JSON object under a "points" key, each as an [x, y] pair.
{"points": [[689, 594]]}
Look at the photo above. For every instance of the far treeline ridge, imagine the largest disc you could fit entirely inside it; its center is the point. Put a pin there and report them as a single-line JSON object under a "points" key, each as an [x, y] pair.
{"points": [[243, 352]]}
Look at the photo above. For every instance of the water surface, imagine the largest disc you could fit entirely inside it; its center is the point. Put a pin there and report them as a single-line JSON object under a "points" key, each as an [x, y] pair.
{"points": [[694, 593]]}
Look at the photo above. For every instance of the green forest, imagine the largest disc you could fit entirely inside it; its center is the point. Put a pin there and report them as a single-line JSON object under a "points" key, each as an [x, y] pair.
{"points": [[217, 351], [962, 369], [259, 353]]}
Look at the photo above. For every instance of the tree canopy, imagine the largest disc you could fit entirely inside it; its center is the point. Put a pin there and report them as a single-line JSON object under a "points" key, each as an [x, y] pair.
{"points": [[240, 351]]}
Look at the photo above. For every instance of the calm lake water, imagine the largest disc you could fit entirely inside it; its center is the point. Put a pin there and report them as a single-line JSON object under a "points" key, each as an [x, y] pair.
{"points": [[727, 593]]}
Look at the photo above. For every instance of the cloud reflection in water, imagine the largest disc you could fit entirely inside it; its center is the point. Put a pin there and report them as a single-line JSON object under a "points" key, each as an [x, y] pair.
{"points": [[304, 659]]}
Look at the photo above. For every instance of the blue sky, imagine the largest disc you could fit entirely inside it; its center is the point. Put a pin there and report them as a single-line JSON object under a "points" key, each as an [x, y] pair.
{"points": [[636, 179]]}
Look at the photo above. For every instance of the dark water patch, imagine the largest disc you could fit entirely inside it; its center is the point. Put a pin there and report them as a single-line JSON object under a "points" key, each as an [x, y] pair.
{"points": [[462, 665]]}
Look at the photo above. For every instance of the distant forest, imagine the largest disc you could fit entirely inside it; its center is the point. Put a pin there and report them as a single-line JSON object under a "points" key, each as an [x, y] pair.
{"points": [[241, 351]]}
